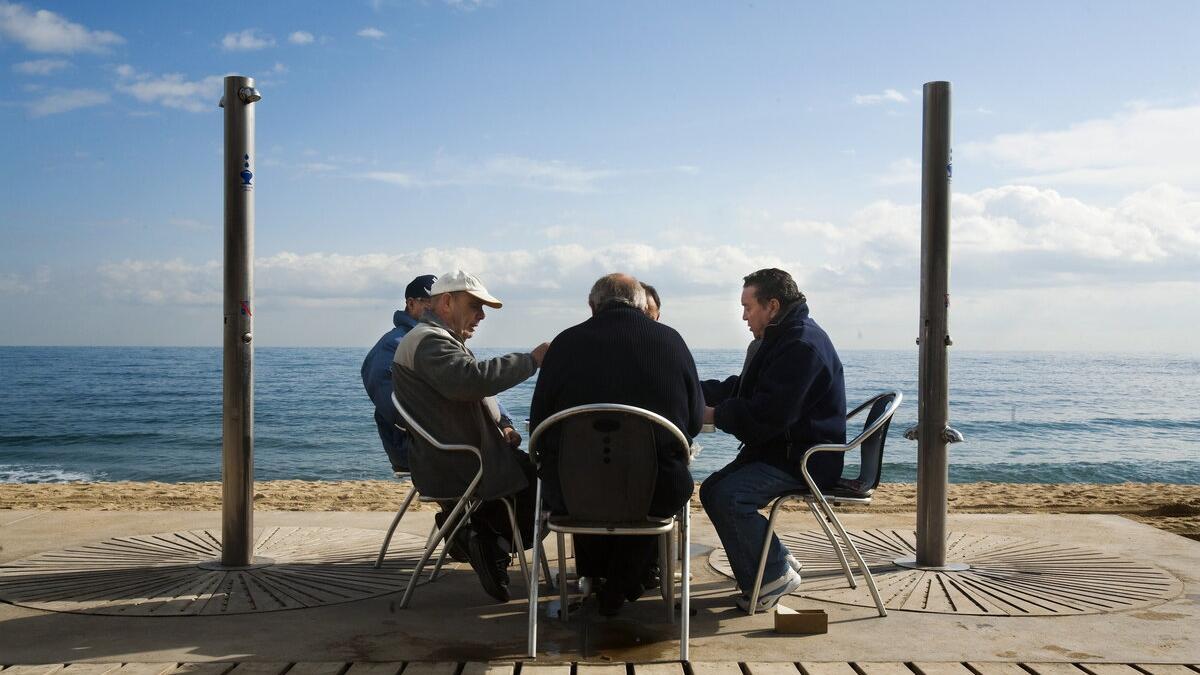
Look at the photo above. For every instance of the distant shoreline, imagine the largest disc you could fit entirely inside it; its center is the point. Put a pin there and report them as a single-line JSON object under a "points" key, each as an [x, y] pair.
{"points": [[1170, 507]]}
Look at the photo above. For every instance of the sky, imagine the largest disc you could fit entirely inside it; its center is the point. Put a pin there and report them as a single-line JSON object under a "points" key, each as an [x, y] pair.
{"points": [[540, 145]]}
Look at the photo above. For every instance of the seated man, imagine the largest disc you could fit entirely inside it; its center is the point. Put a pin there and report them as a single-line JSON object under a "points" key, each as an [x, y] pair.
{"points": [[790, 396], [620, 355], [450, 394], [653, 302], [377, 370]]}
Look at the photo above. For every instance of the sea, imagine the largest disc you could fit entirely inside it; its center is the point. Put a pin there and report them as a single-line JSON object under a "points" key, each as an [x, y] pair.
{"points": [[154, 413]]}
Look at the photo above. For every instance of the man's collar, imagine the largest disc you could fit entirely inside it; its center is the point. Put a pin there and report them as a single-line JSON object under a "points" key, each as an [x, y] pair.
{"points": [[431, 318]]}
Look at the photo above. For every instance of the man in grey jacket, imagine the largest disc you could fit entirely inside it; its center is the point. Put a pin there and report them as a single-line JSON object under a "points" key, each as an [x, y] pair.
{"points": [[451, 395]]}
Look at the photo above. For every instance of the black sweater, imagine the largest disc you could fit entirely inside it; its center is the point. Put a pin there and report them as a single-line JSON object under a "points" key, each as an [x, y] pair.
{"points": [[622, 356]]}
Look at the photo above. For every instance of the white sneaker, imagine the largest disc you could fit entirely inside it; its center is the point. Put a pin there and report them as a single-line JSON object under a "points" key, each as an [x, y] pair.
{"points": [[771, 592]]}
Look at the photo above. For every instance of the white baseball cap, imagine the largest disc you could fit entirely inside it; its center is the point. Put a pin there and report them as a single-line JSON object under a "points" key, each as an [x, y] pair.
{"points": [[458, 280]]}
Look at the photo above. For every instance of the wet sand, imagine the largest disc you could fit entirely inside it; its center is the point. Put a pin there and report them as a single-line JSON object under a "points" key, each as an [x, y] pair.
{"points": [[1174, 508]]}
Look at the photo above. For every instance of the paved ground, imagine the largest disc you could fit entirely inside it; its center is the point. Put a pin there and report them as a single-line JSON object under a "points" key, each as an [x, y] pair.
{"points": [[450, 621]]}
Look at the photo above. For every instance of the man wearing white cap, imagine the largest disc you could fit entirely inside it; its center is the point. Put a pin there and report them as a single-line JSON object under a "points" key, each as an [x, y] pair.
{"points": [[450, 394]]}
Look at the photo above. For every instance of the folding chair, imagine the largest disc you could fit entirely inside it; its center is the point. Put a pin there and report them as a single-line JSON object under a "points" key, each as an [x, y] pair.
{"points": [[847, 491], [607, 465], [464, 505]]}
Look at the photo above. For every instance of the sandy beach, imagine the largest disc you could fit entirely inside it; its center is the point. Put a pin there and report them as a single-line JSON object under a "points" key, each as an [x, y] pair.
{"points": [[1174, 508]]}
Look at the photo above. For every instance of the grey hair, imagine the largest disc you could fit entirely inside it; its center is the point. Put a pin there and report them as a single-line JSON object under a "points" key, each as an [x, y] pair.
{"points": [[617, 289]]}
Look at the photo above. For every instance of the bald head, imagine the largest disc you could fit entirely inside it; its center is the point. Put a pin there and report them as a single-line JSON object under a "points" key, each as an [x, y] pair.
{"points": [[616, 289]]}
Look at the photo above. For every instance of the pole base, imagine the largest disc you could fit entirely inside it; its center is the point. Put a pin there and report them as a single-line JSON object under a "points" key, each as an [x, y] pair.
{"points": [[912, 564], [218, 566]]}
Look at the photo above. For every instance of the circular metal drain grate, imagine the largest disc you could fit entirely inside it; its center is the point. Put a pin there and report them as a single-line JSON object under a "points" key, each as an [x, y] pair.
{"points": [[1009, 576], [158, 574]]}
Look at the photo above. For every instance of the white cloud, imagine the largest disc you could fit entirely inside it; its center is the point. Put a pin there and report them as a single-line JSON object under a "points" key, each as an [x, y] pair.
{"points": [[888, 96], [47, 32], [504, 170], [246, 40], [171, 90], [67, 100], [1136, 147], [40, 66], [372, 33], [301, 37], [905, 171]]}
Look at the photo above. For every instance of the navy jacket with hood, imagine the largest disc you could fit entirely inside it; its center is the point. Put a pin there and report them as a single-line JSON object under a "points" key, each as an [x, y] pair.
{"points": [[790, 396], [377, 380]]}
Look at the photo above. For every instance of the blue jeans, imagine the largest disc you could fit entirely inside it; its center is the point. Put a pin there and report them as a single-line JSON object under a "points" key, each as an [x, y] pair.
{"points": [[732, 498]]}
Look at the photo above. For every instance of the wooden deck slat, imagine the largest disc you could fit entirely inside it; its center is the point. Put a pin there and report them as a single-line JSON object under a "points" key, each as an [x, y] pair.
{"points": [[829, 668], [884, 668], [546, 668], [485, 668], [259, 668], [430, 668], [658, 669], [317, 668], [145, 669], [1165, 669], [211, 668], [601, 669], [998, 668], [42, 669], [381, 668], [770, 668], [941, 668], [1055, 669], [90, 668], [715, 668]]}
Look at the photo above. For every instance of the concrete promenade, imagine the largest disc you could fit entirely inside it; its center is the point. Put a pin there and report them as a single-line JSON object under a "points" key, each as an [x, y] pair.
{"points": [[451, 622]]}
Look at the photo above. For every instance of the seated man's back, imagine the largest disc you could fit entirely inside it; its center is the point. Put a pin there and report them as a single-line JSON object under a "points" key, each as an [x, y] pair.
{"points": [[622, 356]]}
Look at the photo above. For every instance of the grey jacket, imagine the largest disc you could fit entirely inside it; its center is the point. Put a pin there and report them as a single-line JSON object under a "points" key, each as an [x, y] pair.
{"points": [[449, 394]]}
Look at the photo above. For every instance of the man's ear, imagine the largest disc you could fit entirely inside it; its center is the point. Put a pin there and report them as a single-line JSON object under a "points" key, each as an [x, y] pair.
{"points": [[773, 305]]}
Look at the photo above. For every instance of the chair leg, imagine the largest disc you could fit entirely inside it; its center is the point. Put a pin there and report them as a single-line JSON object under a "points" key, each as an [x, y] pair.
{"points": [[546, 571], [518, 546], [668, 573], [833, 541], [562, 577], [533, 587], [437, 568], [762, 559], [685, 587], [862, 565], [412, 493], [438, 535]]}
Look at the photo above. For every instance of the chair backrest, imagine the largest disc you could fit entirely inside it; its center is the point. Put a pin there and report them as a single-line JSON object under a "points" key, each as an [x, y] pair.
{"points": [[873, 436], [607, 460], [414, 428]]}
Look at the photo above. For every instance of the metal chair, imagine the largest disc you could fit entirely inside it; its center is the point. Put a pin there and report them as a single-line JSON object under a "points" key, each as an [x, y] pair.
{"points": [[847, 491], [464, 505], [607, 478]]}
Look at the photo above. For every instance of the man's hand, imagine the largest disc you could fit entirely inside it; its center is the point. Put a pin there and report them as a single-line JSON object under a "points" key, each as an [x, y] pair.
{"points": [[709, 414], [511, 435], [539, 353]]}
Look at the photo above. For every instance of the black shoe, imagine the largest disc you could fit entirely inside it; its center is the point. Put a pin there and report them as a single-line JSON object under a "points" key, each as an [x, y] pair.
{"points": [[484, 558], [609, 600], [653, 577], [456, 547], [634, 592]]}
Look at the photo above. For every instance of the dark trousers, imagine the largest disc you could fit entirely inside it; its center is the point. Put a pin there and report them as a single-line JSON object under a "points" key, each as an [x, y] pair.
{"points": [[491, 518]]}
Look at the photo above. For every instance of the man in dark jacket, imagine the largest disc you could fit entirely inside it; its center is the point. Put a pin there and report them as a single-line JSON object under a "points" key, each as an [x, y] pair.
{"points": [[620, 355], [377, 370], [790, 396]]}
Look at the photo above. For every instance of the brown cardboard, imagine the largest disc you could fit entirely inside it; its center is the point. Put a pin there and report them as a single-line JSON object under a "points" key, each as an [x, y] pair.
{"points": [[800, 621]]}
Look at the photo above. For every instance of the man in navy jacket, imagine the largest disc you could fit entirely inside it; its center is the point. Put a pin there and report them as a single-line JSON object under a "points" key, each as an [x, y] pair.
{"points": [[790, 396]]}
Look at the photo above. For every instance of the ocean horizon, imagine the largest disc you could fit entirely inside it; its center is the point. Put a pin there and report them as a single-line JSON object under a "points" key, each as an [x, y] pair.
{"points": [[154, 413]]}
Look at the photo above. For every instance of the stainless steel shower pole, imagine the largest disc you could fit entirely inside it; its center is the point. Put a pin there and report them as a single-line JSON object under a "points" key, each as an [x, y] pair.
{"points": [[237, 424], [933, 432]]}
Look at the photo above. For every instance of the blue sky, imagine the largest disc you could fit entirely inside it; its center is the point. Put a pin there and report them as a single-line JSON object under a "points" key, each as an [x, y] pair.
{"points": [[543, 144]]}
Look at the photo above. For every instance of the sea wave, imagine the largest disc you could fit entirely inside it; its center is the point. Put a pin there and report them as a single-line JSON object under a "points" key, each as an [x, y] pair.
{"points": [[45, 474]]}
